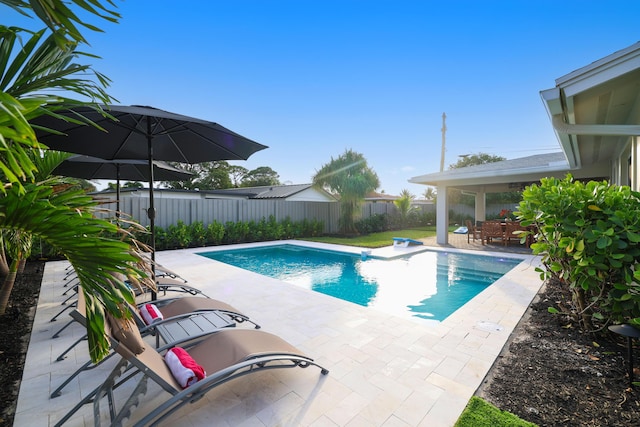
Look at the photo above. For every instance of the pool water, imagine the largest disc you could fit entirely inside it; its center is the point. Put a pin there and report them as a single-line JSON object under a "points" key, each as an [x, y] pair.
{"points": [[429, 285]]}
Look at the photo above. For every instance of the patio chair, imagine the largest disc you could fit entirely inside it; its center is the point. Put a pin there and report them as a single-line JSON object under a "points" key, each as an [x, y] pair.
{"points": [[513, 231], [473, 231], [491, 230], [224, 355]]}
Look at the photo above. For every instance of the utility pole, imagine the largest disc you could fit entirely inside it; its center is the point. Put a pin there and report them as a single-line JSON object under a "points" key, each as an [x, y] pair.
{"points": [[444, 131]]}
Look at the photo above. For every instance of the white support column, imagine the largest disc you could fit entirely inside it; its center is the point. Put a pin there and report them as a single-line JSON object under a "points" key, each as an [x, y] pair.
{"points": [[442, 216], [481, 206], [633, 165]]}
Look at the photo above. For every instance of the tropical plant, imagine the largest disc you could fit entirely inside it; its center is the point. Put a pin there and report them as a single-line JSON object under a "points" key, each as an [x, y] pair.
{"points": [[429, 193], [55, 209], [588, 235], [403, 203], [351, 178]]}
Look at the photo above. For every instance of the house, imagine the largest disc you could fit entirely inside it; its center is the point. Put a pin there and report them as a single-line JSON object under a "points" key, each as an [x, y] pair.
{"points": [[595, 113], [291, 193]]}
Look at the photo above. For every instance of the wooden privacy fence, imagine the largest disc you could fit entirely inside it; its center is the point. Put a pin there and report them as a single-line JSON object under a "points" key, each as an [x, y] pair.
{"points": [[171, 210]]}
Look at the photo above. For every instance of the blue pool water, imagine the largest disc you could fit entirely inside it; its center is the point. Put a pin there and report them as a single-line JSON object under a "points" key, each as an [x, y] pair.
{"points": [[429, 285]]}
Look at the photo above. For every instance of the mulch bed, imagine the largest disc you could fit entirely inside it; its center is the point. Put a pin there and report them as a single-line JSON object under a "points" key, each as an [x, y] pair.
{"points": [[16, 326], [553, 374]]}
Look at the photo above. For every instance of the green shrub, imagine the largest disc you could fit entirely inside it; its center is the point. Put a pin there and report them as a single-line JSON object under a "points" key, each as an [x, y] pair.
{"points": [[198, 234], [215, 233], [589, 238], [178, 235], [374, 224]]}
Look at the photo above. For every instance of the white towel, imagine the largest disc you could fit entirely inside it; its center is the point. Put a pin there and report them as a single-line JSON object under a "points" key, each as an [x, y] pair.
{"points": [[150, 314], [184, 369]]}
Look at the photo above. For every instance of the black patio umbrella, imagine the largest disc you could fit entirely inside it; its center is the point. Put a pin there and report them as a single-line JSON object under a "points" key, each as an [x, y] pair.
{"points": [[87, 167], [139, 132]]}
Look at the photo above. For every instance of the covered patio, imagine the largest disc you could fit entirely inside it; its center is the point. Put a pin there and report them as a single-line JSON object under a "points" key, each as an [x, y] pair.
{"points": [[595, 112]]}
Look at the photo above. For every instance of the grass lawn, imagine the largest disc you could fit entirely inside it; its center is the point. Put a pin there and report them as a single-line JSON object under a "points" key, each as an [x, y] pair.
{"points": [[377, 240], [480, 413]]}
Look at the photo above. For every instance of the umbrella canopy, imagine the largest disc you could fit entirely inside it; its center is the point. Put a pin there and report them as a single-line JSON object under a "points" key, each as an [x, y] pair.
{"points": [[87, 167], [138, 132], [174, 137]]}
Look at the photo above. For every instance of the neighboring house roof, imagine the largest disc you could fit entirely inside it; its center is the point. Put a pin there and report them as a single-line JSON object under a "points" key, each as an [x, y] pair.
{"points": [[298, 192], [295, 192], [380, 197]]}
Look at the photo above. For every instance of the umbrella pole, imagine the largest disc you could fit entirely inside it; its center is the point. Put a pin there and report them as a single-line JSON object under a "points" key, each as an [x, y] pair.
{"points": [[118, 194], [152, 210]]}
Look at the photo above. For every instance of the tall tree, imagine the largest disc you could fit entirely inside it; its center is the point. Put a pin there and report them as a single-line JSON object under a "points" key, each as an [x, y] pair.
{"points": [[351, 178], [206, 176], [237, 174], [429, 193], [476, 159], [262, 176]]}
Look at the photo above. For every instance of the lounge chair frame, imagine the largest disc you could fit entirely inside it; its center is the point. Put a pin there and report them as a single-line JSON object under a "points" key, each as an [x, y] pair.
{"points": [[132, 365]]}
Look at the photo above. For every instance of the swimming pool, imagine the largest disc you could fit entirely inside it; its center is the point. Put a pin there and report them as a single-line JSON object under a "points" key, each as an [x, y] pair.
{"points": [[428, 285]]}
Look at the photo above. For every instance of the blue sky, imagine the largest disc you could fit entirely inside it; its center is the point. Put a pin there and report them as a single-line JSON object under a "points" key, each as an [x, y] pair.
{"points": [[311, 79]]}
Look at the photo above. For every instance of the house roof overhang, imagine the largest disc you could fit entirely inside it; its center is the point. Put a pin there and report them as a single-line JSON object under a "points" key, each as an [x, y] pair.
{"points": [[508, 175], [595, 109]]}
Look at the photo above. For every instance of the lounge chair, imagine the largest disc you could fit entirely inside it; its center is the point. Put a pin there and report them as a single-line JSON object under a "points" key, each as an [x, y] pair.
{"points": [[225, 355], [163, 285], [183, 316]]}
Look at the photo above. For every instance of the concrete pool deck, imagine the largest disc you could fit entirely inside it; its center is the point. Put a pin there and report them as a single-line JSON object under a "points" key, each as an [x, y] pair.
{"points": [[384, 370]]}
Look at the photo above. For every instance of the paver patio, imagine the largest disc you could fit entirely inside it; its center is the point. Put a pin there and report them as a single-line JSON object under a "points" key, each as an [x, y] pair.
{"points": [[384, 370]]}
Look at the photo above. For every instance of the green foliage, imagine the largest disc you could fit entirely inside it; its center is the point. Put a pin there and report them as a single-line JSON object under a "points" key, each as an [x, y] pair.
{"points": [[262, 176], [403, 203], [476, 159], [181, 235], [351, 178], [373, 224], [589, 238], [480, 413], [198, 234], [178, 235], [215, 233]]}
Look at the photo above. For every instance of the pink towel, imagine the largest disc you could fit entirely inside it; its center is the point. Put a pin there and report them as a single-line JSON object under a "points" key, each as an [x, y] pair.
{"points": [[184, 369], [150, 314]]}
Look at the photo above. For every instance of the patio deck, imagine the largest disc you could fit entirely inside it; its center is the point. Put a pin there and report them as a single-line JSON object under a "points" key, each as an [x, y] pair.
{"points": [[384, 370]]}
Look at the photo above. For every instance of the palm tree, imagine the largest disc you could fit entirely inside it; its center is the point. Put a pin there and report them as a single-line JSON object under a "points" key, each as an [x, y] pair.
{"points": [[403, 203], [350, 177], [429, 194], [51, 208]]}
